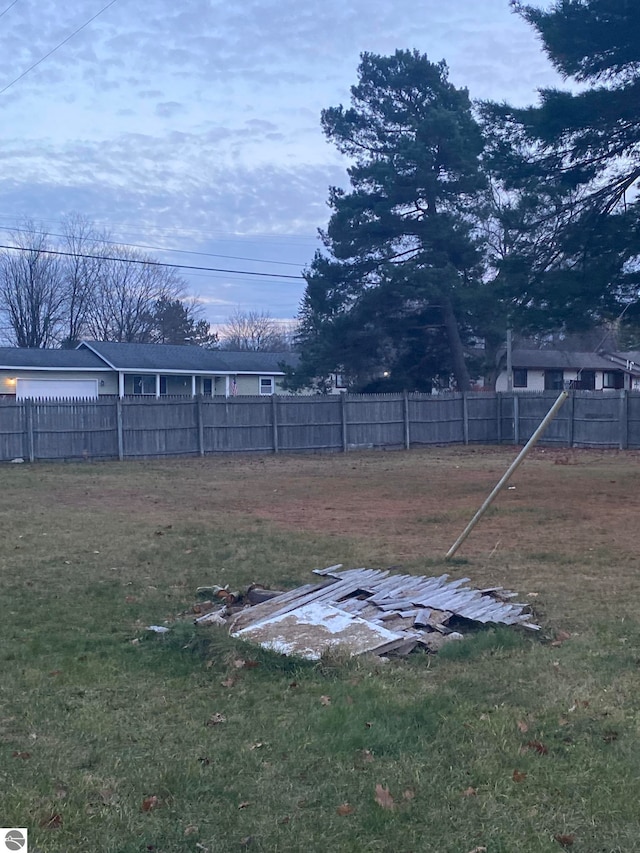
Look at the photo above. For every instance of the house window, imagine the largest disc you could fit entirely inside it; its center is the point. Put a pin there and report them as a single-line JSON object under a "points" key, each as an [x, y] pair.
{"points": [[163, 386], [207, 386], [520, 377], [586, 380], [144, 385], [266, 385], [612, 379], [553, 380]]}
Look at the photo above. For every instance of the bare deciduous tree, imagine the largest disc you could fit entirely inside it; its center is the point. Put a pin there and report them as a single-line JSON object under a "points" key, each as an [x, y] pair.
{"points": [[128, 289], [32, 291], [82, 269], [254, 331]]}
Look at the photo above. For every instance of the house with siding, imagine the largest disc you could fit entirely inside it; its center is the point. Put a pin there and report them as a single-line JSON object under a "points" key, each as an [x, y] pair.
{"points": [[554, 370], [97, 368]]}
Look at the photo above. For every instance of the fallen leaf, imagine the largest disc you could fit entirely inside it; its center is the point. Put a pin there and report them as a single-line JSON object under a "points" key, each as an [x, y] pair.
{"points": [[240, 663], [228, 682], [470, 792], [345, 809], [201, 847], [244, 805], [538, 747], [562, 721], [409, 794], [366, 755], [522, 726], [150, 803], [478, 850], [204, 761], [246, 841], [561, 637], [61, 791], [23, 755], [258, 745], [56, 672], [383, 798], [52, 821], [607, 737], [518, 776], [293, 684], [325, 700], [190, 830], [216, 719], [565, 840], [130, 599], [285, 820], [368, 725]]}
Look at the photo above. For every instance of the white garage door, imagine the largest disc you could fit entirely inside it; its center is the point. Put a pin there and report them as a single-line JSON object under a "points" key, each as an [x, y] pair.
{"points": [[52, 388]]}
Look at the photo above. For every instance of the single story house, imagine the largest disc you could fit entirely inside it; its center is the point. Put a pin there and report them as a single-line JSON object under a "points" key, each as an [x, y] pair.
{"points": [[554, 370], [96, 368]]}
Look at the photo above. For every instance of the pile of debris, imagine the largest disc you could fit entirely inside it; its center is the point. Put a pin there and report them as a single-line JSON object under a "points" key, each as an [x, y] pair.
{"points": [[365, 610]]}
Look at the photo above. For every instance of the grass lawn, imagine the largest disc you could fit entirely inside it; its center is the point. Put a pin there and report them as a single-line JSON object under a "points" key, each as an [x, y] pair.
{"points": [[116, 740]]}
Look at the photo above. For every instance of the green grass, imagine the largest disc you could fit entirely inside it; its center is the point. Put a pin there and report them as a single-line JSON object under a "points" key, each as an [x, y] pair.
{"points": [[97, 714]]}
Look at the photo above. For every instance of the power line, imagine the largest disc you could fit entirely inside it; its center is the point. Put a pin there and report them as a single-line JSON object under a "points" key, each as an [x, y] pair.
{"points": [[152, 263], [154, 248], [57, 47], [10, 6]]}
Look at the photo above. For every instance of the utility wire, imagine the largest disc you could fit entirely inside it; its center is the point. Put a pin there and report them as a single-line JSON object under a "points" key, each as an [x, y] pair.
{"points": [[152, 263], [10, 6], [155, 248], [57, 47]]}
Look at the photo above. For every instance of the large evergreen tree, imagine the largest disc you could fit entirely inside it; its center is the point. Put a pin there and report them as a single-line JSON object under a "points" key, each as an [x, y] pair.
{"points": [[572, 163], [387, 302]]}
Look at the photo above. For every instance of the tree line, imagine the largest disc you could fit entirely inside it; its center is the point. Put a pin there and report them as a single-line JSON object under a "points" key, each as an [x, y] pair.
{"points": [[464, 219], [86, 287]]}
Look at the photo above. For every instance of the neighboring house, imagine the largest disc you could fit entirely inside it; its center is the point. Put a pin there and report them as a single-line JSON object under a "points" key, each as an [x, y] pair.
{"points": [[95, 369], [554, 370]]}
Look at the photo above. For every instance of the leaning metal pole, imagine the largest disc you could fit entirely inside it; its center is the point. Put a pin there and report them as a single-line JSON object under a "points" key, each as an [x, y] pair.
{"points": [[553, 411]]}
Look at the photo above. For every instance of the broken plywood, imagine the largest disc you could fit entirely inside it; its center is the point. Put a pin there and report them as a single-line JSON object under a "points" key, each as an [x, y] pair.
{"points": [[367, 610], [312, 629]]}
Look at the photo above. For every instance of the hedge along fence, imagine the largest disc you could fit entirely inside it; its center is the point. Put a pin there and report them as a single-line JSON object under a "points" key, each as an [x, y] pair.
{"points": [[141, 427]]}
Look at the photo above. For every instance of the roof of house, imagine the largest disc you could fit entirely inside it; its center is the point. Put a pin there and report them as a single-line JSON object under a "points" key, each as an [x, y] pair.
{"points": [[62, 359], [168, 357], [548, 359]]}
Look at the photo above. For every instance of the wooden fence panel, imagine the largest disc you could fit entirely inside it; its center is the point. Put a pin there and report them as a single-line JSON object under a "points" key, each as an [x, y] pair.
{"points": [[237, 424], [72, 429], [13, 431], [374, 420], [596, 419], [633, 421], [159, 427], [436, 419], [482, 424], [531, 409], [309, 423]]}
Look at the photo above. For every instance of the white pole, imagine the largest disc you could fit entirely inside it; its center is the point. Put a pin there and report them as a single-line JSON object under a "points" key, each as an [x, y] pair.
{"points": [[553, 411]]}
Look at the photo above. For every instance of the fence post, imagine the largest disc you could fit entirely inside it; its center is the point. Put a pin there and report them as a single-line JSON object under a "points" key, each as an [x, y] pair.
{"points": [[405, 414], [343, 416], [624, 420], [28, 416], [274, 421], [499, 417], [572, 420], [120, 428], [465, 417], [515, 402], [200, 425]]}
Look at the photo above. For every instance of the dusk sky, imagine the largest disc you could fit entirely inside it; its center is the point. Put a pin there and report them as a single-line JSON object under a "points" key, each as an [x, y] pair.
{"points": [[195, 126]]}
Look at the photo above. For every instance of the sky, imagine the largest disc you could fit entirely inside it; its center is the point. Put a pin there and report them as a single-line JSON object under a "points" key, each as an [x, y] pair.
{"points": [[194, 127]]}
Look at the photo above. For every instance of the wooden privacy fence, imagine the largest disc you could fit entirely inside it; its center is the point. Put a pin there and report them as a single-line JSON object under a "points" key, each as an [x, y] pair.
{"points": [[110, 428]]}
